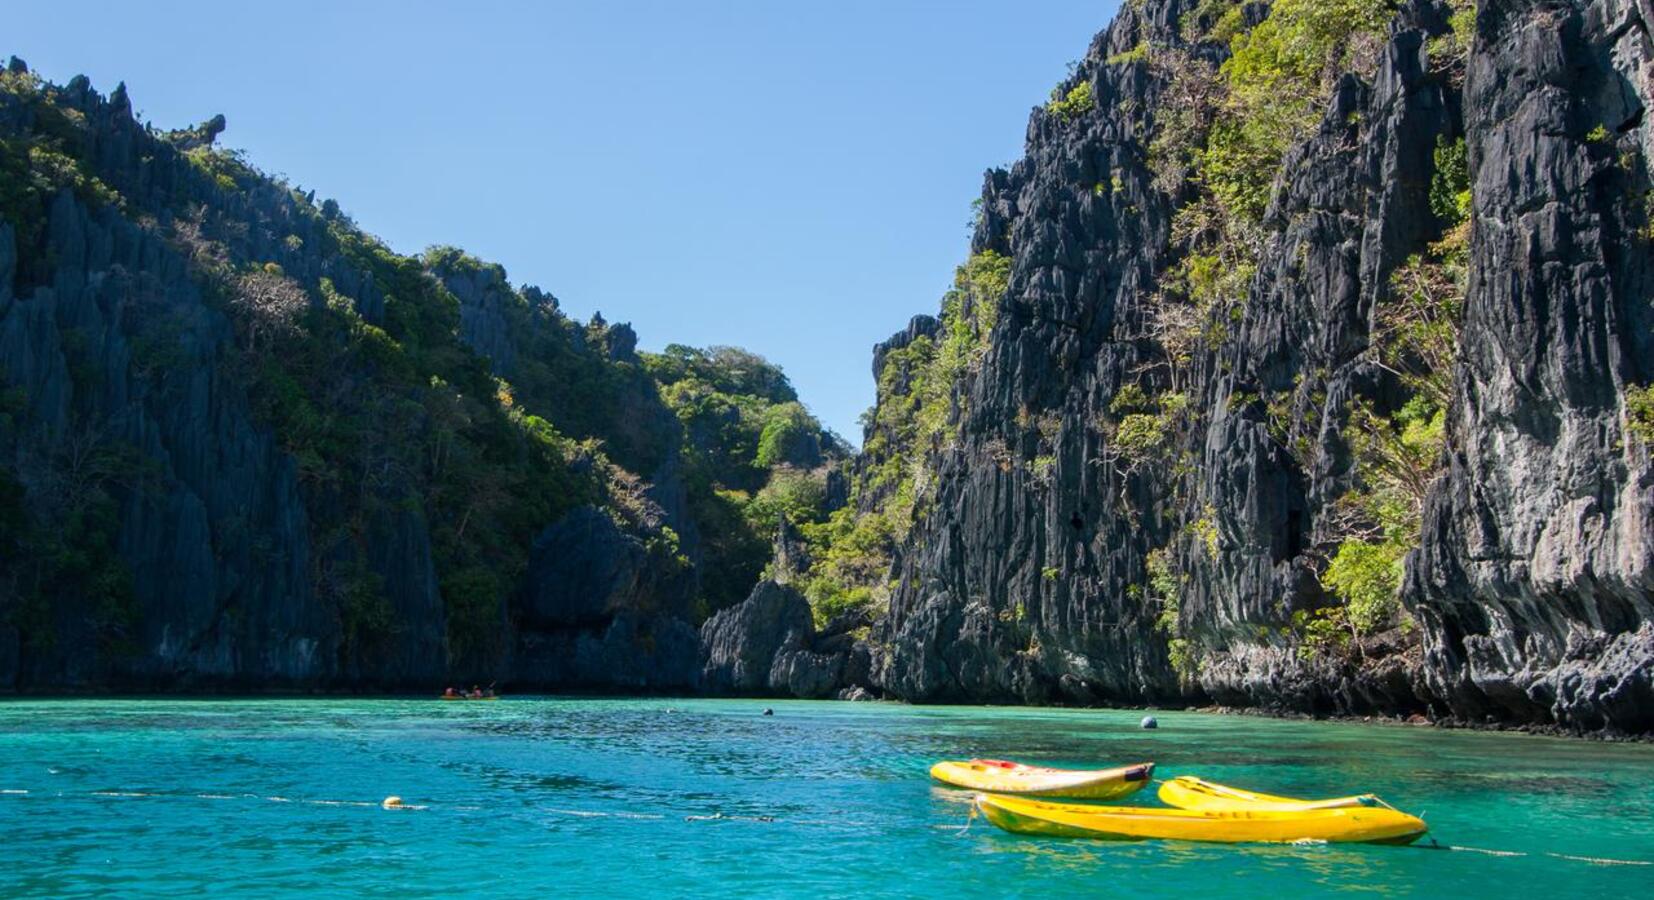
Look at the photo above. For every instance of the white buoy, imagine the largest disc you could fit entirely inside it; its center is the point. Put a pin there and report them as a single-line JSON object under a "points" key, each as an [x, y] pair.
{"points": [[1150, 722]]}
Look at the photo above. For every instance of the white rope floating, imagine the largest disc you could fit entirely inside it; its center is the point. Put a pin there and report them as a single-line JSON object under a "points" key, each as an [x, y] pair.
{"points": [[1593, 860], [1599, 861], [396, 803], [1475, 850]]}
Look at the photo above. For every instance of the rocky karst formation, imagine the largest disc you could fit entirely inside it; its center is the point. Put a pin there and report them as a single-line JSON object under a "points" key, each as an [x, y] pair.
{"points": [[1535, 581], [1030, 573], [1313, 380], [769, 644], [244, 446]]}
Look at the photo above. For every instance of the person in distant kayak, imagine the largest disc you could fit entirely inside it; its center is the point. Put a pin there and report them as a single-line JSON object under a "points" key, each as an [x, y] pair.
{"points": [[450, 692], [476, 692]]}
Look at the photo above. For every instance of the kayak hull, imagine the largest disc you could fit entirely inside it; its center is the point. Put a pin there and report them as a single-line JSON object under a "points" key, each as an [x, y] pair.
{"points": [[1189, 792], [999, 777], [1020, 815]]}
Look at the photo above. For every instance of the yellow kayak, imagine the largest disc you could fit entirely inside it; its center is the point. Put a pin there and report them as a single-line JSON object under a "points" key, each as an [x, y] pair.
{"points": [[444, 697], [1124, 823], [1189, 792], [1003, 777]]}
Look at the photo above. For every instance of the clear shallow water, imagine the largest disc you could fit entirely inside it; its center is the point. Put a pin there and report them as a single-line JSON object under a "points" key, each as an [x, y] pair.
{"points": [[530, 796]]}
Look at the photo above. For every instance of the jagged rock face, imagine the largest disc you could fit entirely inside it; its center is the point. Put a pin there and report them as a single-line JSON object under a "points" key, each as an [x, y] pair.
{"points": [[1350, 206], [117, 352], [1013, 588], [1022, 578], [917, 327], [1532, 586], [766, 645], [240, 571], [601, 610], [483, 295], [629, 651], [224, 611], [399, 549], [1535, 580]]}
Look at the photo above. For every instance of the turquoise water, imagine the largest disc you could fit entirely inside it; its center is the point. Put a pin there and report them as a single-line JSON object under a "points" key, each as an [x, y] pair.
{"points": [[528, 796]]}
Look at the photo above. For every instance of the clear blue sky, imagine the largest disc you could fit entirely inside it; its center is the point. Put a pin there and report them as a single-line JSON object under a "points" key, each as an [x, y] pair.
{"points": [[792, 178]]}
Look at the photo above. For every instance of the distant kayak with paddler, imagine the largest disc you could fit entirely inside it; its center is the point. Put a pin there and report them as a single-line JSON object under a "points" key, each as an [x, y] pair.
{"points": [[476, 693]]}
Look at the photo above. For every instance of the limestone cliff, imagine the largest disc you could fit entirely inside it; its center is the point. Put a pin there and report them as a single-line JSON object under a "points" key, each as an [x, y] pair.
{"points": [[245, 446], [1303, 362], [1138, 493]]}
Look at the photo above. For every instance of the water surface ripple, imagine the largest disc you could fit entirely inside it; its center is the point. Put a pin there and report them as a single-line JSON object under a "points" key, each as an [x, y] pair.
{"points": [[544, 796]]}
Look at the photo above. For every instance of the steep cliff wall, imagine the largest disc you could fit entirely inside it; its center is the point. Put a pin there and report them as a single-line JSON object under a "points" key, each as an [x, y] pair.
{"points": [[1212, 415], [1302, 363], [128, 446], [1535, 581], [244, 445]]}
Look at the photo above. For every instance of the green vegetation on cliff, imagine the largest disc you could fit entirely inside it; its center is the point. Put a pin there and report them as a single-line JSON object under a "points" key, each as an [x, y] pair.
{"points": [[429, 409], [59, 522], [911, 422], [1227, 135], [752, 455], [1274, 88], [1219, 139], [38, 163]]}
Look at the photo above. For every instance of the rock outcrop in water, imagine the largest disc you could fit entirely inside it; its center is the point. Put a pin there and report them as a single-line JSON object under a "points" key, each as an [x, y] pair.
{"points": [[769, 644]]}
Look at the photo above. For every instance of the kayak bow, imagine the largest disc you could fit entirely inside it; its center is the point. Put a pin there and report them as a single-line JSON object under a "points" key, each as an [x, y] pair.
{"points": [[1002, 777]]}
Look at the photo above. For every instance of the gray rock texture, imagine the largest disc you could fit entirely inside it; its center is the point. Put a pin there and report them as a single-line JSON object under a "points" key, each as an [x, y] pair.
{"points": [[117, 379], [1025, 576], [767, 645], [215, 532], [600, 610], [1536, 577], [1531, 587]]}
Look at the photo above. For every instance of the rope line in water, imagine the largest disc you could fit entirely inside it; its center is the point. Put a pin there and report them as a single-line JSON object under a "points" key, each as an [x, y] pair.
{"points": [[1593, 860], [395, 803], [388, 803], [720, 817], [1435, 846], [592, 814], [1600, 861]]}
